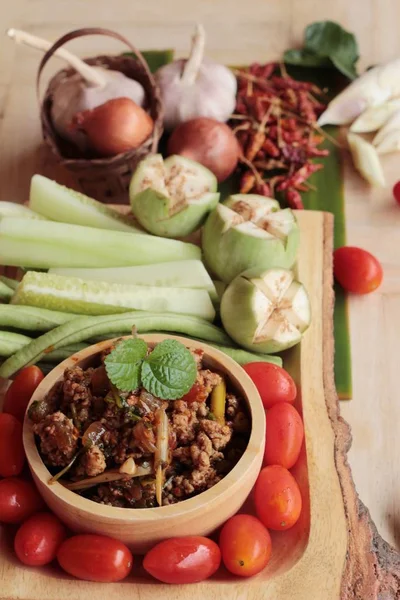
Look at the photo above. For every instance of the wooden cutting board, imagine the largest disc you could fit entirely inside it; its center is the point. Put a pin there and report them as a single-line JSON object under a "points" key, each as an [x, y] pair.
{"points": [[334, 551]]}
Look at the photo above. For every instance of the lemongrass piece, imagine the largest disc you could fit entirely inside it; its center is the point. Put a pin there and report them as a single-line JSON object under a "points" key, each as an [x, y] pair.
{"points": [[366, 160], [91, 76], [375, 117], [100, 298], [161, 457], [35, 244], [106, 477], [218, 400], [58, 475], [82, 328]]}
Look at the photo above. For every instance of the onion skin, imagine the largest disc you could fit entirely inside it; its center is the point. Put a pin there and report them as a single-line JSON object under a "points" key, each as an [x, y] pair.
{"points": [[208, 142], [114, 127]]}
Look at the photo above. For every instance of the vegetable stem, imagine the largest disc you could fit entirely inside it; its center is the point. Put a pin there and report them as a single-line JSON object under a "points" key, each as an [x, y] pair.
{"points": [[218, 399], [90, 75], [193, 63]]}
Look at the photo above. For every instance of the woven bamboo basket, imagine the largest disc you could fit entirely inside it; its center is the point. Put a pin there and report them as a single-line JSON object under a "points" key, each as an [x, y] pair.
{"points": [[105, 179]]}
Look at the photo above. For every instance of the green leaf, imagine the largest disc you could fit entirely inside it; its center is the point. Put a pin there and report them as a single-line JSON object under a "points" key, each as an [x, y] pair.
{"points": [[304, 58], [327, 43], [124, 362], [169, 371]]}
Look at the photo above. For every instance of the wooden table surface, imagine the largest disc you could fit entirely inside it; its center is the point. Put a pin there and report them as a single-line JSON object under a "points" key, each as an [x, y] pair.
{"points": [[240, 32]]}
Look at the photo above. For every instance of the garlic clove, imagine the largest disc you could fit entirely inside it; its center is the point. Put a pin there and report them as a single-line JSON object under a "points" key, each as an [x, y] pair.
{"points": [[375, 117], [366, 160]]}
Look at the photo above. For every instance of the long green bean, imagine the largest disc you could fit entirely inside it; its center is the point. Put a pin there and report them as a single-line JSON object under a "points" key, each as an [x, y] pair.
{"points": [[31, 318], [11, 342], [82, 328]]}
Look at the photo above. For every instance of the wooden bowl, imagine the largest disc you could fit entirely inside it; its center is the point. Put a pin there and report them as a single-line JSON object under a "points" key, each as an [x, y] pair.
{"points": [[140, 529]]}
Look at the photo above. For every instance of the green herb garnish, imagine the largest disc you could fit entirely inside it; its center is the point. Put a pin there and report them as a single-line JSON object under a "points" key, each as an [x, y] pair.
{"points": [[123, 364], [168, 372], [326, 44]]}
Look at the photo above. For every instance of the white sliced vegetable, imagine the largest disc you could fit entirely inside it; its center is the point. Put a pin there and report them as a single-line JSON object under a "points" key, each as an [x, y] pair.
{"points": [[99, 298], [374, 87], [375, 117], [179, 274], [12, 209], [171, 198], [388, 137], [366, 160], [246, 231], [31, 243], [266, 310], [60, 203]]}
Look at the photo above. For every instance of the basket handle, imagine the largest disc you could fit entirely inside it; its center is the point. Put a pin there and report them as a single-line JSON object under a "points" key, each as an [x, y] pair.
{"points": [[89, 31]]}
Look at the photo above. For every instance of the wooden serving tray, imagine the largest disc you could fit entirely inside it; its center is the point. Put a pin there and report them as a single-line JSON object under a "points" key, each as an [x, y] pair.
{"points": [[334, 551]]}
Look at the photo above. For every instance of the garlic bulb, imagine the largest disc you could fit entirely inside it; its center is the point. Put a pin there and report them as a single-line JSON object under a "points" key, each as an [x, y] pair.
{"points": [[196, 87], [88, 88], [74, 95]]}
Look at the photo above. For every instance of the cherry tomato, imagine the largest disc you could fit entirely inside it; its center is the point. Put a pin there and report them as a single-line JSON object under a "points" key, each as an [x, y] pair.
{"points": [[273, 383], [38, 539], [277, 498], [12, 453], [357, 270], [285, 433], [19, 499], [245, 545], [95, 558], [20, 391], [183, 560], [396, 192]]}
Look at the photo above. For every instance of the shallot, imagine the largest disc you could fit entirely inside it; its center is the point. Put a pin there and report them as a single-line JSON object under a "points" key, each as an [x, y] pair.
{"points": [[116, 126]]}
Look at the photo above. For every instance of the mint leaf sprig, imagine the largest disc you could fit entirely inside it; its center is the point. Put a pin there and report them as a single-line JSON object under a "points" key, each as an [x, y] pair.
{"points": [[168, 372]]}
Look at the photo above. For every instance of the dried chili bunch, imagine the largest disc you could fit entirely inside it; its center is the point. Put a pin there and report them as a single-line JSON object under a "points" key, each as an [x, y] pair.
{"points": [[275, 122]]}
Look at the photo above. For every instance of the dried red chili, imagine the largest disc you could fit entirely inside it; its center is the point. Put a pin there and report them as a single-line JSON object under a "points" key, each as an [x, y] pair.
{"points": [[275, 122]]}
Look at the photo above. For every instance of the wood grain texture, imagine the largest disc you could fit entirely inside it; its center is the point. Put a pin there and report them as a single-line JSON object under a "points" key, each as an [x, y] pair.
{"points": [[243, 32], [309, 559]]}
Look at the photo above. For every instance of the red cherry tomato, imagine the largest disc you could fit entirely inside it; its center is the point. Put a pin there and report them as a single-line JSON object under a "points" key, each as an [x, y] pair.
{"points": [[357, 270], [273, 383], [20, 391], [12, 453], [396, 192], [95, 558], [277, 498], [285, 433], [38, 539], [183, 560], [245, 545], [19, 499]]}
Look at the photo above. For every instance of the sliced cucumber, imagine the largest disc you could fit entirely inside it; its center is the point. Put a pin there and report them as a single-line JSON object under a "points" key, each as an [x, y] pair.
{"points": [[38, 244], [179, 274], [59, 203], [172, 198], [12, 209], [75, 295]]}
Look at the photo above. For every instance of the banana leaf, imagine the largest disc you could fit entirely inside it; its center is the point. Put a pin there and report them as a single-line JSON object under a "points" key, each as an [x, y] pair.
{"points": [[329, 196]]}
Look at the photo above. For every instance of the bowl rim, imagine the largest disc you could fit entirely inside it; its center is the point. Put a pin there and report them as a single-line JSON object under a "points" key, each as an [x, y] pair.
{"points": [[239, 379]]}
